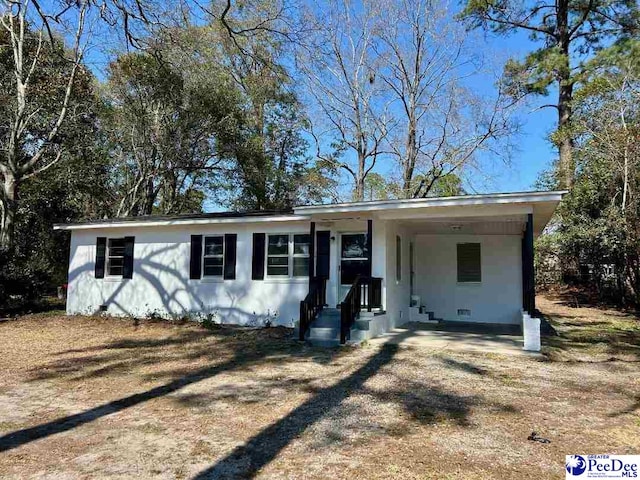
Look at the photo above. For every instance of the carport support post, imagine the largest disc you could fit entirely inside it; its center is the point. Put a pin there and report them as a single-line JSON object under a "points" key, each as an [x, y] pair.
{"points": [[369, 247], [529, 282], [369, 262]]}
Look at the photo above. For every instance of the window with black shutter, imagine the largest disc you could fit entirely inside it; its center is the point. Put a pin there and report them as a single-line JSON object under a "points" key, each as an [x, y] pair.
{"points": [[469, 263], [115, 257]]}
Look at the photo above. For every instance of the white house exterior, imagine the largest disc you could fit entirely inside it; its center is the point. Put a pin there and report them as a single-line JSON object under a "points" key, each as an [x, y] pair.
{"points": [[464, 258]]}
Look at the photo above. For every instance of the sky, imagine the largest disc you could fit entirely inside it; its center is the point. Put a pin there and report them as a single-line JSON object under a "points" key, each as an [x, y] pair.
{"points": [[534, 153]]}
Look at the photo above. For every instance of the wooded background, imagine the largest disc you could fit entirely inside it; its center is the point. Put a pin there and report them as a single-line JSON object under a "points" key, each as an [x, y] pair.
{"points": [[264, 104]]}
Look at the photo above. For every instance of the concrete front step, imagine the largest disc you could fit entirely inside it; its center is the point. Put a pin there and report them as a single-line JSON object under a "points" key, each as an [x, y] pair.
{"points": [[419, 314], [325, 330], [322, 333], [324, 343]]}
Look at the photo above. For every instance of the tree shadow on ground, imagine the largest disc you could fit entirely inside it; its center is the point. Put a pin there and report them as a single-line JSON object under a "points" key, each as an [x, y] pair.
{"points": [[118, 358], [424, 403], [246, 460]]}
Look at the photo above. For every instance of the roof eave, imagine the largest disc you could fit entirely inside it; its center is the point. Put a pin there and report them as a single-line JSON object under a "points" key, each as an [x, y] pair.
{"points": [[462, 200], [178, 222]]}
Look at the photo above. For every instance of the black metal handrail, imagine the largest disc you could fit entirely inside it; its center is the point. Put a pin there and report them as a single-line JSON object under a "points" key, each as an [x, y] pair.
{"points": [[312, 304], [365, 292]]}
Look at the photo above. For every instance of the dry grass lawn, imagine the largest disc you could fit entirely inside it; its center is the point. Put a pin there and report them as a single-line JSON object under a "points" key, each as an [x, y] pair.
{"points": [[106, 398]]}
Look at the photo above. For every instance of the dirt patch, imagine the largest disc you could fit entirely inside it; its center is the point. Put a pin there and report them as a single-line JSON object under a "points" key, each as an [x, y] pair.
{"points": [[100, 397]]}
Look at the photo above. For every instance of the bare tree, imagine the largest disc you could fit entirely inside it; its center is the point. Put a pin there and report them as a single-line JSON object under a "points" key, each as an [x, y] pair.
{"points": [[426, 63], [340, 69], [24, 155]]}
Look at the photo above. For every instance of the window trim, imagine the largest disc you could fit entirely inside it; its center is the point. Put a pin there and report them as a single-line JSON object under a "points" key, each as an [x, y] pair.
{"points": [[204, 276], [398, 259], [469, 282], [290, 255], [108, 256]]}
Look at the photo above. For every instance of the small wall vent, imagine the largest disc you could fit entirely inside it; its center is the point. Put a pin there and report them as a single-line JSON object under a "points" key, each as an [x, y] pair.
{"points": [[464, 312]]}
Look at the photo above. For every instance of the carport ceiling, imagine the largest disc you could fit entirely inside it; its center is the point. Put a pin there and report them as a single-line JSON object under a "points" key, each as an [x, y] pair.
{"points": [[511, 225]]}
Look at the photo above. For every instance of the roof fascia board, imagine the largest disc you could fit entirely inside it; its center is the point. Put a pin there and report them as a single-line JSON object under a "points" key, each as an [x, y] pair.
{"points": [[172, 223], [502, 198]]}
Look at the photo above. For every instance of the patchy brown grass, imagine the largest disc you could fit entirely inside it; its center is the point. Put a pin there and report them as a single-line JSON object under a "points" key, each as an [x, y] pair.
{"points": [[589, 334], [105, 398]]}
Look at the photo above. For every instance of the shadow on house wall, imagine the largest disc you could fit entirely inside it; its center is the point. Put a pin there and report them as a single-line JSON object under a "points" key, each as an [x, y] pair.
{"points": [[160, 286]]}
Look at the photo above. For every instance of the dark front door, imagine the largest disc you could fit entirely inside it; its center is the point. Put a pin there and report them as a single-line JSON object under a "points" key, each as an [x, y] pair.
{"points": [[353, 260]]}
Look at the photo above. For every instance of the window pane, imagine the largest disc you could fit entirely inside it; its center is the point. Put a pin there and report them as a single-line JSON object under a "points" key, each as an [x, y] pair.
{"points": [[116, 242], [283, 271], [213, 246], [350, 269], [212, 271], [213, 262], [354, 245], [469, 262], [116, 247], [212, 266], [301, 266], [301, 244], [278, 245], [115, 266], [277, 261]]}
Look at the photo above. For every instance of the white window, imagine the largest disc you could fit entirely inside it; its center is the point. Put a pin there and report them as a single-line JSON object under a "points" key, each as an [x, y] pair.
{"points": [[115, 257], [301, 245], [288, 255], [213, 258]]}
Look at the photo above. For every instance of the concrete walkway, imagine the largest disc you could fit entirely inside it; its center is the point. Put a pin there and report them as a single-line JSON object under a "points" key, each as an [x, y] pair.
{"points": [[457, 337]]}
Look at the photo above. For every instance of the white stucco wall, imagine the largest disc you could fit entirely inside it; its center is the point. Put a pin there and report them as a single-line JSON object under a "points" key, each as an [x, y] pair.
{"points": [[397, 292], [497, 299], [161, 281]]}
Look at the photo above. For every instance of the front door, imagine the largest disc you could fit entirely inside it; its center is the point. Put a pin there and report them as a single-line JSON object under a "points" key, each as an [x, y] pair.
{"points": [[353, 261]]}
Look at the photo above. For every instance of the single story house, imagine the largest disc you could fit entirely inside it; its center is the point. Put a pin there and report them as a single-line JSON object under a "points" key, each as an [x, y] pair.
{"points": [[381, 263]]}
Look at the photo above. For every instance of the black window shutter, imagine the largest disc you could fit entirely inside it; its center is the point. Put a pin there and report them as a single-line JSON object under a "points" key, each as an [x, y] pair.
{"points": [[257, 262], [469, 262], [195, 267], [127, 269], [230, 240], [323, 246], [101, 251]]}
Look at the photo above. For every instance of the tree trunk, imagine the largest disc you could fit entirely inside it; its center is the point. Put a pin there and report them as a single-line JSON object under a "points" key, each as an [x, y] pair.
{"points": [[565, 140], [410, 161], [358, 193], [565, 97], [10, 207], [149, 199]]}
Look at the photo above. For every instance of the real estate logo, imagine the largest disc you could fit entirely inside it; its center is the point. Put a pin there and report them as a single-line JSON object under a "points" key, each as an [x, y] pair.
{"points": [[602, 466]]}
